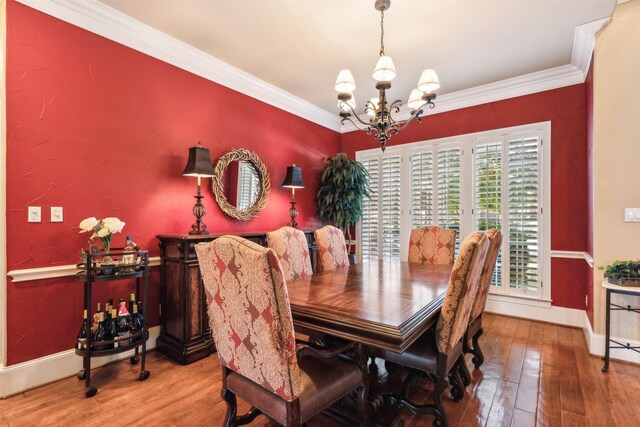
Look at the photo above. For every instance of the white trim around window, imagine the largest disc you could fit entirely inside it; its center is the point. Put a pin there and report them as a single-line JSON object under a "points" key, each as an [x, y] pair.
{"points": [[460, 209]]}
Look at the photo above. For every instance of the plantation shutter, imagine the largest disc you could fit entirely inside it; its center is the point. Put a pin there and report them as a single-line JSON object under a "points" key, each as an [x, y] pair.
{"points": [[369, 232], [449, 189], [422, 198], [248, 186], [488, 194], [523, 208], [390, 201]]}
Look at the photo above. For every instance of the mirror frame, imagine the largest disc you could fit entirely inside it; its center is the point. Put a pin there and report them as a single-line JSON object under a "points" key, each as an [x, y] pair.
{"points": [[221, 164]]}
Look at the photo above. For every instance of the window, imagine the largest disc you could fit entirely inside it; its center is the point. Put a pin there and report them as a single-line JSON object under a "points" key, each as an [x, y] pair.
{"points": [[248, 186], [471, 182]]}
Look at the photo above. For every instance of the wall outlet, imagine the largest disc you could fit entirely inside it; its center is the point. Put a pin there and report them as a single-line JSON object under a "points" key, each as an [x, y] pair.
{"points": [[35, 214], [56, 213]]}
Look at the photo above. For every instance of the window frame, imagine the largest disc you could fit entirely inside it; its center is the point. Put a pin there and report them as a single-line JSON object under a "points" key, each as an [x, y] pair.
{"points": [[467, 143]]}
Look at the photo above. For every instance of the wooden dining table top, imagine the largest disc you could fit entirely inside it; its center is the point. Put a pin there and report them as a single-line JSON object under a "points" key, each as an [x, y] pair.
{"points": [[385, 304]]}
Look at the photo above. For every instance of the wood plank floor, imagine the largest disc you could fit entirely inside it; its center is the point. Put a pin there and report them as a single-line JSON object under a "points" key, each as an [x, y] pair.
{"points": [[534, 374]]}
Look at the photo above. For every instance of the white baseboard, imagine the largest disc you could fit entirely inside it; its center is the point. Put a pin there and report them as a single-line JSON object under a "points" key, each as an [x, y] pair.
{"points": [[34, 373], [526, 309], [596, 342]]}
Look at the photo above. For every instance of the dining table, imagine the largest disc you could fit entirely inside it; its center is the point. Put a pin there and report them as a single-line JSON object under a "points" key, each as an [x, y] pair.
{"points": [[386, 304]]}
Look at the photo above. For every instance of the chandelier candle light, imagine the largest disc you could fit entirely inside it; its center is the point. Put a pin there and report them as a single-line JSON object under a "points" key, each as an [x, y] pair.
{"points": [[381, 123]]}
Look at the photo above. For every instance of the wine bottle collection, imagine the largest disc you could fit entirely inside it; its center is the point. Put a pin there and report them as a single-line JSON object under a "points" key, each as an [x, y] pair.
{"points": [[114, 327]]}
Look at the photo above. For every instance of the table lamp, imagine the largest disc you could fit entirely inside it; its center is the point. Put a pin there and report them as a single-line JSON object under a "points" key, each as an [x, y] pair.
{"points": [[199, 165], [293, 180]]}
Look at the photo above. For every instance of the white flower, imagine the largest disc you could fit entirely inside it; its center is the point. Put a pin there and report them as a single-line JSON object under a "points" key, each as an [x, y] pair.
{"points": [[103, 232], [88, 224], [112, 224]]}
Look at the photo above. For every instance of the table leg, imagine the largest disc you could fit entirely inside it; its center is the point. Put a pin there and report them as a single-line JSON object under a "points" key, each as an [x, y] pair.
{"points": [[605, 368]]}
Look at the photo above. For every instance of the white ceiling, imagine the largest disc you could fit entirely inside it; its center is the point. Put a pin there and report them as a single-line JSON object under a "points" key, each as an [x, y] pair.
{"points": [[299, 46]]}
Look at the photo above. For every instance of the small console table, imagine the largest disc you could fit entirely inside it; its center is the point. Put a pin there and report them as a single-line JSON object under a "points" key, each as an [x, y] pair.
{"points": [[184, 323], [624, 290]]}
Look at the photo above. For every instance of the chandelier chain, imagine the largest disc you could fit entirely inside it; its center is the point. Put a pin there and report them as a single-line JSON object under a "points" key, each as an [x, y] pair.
{"points": [[382, 33]]}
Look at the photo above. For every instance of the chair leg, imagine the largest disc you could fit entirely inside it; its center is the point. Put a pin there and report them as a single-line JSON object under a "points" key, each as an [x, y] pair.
{"points": [[457, 386], [478, 357], [464, 372], [440, 414], [232, 408]]}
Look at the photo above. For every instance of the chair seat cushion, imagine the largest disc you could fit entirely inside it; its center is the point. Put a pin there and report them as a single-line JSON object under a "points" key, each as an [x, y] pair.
{"points": [[323, 381], [422, 355]]}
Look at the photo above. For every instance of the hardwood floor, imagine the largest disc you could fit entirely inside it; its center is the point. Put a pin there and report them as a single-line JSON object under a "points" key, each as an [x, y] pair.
{"points": [[534, 374]]}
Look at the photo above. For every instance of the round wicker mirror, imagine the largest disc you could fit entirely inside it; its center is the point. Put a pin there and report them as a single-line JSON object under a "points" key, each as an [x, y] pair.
{"points": [[241, 184]]}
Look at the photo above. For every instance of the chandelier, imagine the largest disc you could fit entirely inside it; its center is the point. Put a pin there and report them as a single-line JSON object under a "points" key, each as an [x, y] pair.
{"points": [[381, 123]]}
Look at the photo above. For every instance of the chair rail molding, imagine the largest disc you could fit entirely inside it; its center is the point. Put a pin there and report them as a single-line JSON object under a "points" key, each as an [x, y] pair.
{"points": [[40, 273]]}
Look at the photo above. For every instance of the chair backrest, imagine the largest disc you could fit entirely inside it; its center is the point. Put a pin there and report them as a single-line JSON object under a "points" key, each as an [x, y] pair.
{"points": [[461, 291], [290, 245], [249, 313], [495, 241], [432, 245], [332, 248]]}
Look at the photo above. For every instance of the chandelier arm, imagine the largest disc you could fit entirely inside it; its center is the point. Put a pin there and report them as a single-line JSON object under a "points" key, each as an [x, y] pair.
{"points": [[353, 112], [395, 108], [367, 127], [415, 115]]}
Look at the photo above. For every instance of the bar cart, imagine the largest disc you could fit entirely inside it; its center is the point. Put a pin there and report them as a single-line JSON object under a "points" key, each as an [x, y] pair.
{"points": [[98, 268]]}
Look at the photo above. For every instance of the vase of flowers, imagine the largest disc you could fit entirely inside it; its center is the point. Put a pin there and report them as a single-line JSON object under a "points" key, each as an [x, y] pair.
{"points": [[103, 229]]}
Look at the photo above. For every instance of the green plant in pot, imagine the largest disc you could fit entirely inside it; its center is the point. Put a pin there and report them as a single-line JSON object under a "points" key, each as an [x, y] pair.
{"points": [[343, 186], [623, 273]]}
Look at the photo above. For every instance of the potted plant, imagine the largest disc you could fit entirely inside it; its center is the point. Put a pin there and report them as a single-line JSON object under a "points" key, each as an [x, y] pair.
{"points": [[623, 273], [343, 185]]}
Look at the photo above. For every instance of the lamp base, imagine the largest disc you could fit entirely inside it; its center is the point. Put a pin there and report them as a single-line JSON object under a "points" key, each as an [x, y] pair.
{"points": [[199, 227], [293, 213]]}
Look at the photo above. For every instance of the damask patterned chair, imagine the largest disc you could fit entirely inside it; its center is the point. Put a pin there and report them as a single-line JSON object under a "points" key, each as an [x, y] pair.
{"points": [[438, 353], [432, 245], [251, 323], [293, 251], [475, 320], [332, 248]]}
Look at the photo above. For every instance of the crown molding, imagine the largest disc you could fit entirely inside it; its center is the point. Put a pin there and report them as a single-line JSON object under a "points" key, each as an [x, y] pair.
{"points": [[584, 41], [101, 19], [553, 78]]}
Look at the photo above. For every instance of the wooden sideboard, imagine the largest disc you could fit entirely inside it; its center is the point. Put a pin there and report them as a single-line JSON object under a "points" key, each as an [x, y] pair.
{"points": [[184, 325]]}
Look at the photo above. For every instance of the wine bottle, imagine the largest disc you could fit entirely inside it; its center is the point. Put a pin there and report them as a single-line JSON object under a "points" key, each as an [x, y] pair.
{"points": [[96, 317], [113, 326], [108, 335], [82, 334], [132, 302], [98, 338], [107, 315], [139, 318], [124, 323], [127, 256]]}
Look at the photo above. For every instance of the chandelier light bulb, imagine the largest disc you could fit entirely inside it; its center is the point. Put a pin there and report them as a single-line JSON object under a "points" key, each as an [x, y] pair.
{"points": [[385, 71], [415, 99], [429, 82], [345, 82]]}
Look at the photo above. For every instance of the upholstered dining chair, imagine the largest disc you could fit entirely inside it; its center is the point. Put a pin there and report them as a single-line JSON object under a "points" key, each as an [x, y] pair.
{"points": [[290, 245], [474, 329], [332, 248], [252, 327], [437, 354], [432, 245]]}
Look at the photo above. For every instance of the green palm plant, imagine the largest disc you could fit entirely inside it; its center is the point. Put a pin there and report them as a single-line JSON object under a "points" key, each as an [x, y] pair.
{"points": [[343, 185]]}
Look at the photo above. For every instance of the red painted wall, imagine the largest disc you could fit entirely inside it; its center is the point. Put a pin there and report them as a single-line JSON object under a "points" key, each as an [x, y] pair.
{"points": [[565, 108], [588, 88], [103, 130]]}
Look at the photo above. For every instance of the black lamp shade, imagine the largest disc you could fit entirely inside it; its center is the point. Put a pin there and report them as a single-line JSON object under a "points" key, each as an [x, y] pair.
{"points": [[199, 163], [293, 178]]}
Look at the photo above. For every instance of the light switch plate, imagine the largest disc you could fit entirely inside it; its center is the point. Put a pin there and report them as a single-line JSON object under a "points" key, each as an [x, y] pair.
{"points": [[631, 214], [56, 213], [35, 214]]}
